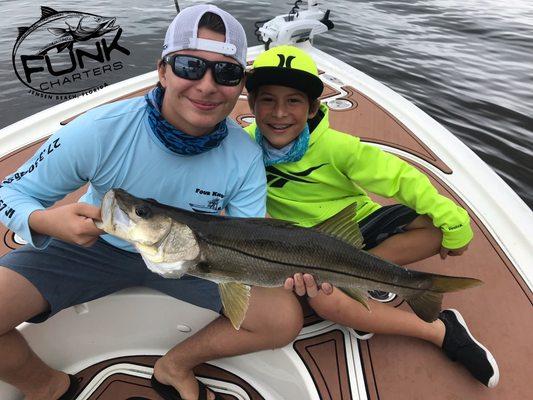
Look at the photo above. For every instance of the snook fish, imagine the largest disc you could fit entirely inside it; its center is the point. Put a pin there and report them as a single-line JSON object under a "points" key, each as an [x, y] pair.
{"points": [[241, 252]]}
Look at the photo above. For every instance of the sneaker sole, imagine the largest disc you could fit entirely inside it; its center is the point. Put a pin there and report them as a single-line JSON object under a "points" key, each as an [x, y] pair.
{"points": [[493, 381]]}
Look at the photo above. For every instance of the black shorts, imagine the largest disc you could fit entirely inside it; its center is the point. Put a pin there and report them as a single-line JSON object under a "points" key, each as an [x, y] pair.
{"points": [[384, 223]]}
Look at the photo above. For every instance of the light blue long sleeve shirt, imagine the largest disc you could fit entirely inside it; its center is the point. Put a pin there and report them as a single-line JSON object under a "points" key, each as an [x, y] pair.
{"points": [[113, 147]]}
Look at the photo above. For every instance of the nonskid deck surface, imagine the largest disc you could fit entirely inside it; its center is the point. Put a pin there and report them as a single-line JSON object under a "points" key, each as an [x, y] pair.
{"points": [[498, 313]]}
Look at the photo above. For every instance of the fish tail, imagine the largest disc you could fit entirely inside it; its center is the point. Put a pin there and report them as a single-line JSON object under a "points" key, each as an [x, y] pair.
{"points": [[444, 284], [427, 304]]}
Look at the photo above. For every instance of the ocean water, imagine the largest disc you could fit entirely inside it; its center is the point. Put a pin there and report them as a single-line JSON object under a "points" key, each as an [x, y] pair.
{"points": [[468, 64]]}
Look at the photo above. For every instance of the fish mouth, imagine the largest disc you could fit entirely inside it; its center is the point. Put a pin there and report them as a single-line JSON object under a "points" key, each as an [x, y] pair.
{"points": [[120, 221], [107, 205], [110, 25], [114, 220], [117, 204]]}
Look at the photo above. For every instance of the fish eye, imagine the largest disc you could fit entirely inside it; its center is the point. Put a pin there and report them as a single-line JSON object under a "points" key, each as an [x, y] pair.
{"points": [[143, 211]]}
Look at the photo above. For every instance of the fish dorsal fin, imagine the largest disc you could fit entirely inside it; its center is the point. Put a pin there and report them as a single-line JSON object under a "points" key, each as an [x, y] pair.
{"points": [[235, 298], [47, 12], [22, 30], [343, 227]]}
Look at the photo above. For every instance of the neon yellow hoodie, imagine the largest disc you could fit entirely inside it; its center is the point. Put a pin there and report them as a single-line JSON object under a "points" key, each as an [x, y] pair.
{"points": [[335, 172]]}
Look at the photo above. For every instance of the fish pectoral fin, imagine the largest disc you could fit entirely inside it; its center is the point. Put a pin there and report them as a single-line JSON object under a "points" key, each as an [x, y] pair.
{"points": [[57, 31], [356, 294], [343, 226], [235, 298]]}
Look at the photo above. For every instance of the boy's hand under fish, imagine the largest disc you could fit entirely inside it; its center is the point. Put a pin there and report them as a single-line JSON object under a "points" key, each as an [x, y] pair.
{"points": [[303, 284]]}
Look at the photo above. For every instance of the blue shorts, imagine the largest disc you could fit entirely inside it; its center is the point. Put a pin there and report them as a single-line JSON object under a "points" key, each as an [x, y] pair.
{"points": [[67, 274], [384, 223]]}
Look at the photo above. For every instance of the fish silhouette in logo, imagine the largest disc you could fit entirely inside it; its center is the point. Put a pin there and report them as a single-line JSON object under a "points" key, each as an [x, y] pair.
{"points": [[61, 29], [278, 179]]}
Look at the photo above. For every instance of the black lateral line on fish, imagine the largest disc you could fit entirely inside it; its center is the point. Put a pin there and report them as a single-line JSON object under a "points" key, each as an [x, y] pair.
{"points": [[317, 268]]}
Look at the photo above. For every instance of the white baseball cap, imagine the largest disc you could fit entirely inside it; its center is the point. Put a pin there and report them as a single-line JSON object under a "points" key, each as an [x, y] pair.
{"points": [[182, 34]]}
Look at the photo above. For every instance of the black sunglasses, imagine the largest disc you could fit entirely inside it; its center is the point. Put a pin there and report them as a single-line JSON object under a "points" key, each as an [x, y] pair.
{"points": [[194, 68]]}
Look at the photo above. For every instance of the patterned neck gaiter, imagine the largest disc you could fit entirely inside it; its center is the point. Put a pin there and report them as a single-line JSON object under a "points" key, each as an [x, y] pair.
{"points": [[293, 152], [174, 139]]}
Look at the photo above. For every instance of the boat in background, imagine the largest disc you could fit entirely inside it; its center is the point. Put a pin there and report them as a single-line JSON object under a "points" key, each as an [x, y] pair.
{"points": [[111, 344]]}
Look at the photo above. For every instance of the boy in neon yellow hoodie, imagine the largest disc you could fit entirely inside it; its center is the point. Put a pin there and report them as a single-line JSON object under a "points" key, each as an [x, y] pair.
{"points": [[314, 172]]}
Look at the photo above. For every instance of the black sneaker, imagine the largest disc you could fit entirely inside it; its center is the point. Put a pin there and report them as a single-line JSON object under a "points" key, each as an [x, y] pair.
{"points": [[459, 345]]}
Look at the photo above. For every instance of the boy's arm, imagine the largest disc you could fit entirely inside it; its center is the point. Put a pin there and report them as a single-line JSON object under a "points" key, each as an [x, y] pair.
{"points": [[389, 176], [65, 162], [73, 223]]}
